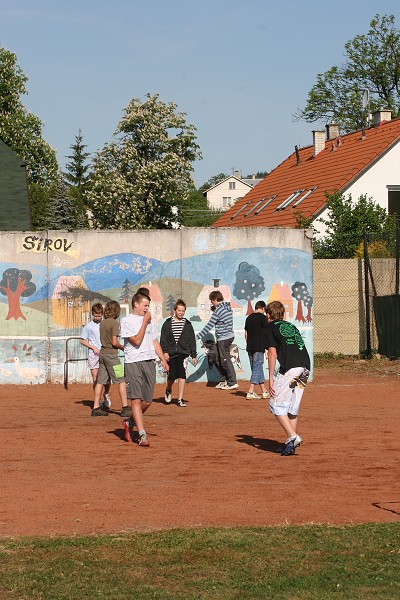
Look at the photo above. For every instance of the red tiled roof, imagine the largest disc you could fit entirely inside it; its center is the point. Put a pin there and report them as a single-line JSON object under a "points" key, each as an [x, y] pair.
{"points": [[333, 169]]}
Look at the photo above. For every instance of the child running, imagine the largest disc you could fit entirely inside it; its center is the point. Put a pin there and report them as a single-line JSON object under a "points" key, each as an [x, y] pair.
{"points": [[178, 341], [285, 343], [254, 331], [141, 349], [90, 338], [108, 359]]}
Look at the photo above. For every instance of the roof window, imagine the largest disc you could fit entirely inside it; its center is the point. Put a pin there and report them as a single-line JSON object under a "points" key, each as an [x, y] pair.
{"points": [[304, 197], [254, 207], [240, 210], [265, 204], [290, 199]]}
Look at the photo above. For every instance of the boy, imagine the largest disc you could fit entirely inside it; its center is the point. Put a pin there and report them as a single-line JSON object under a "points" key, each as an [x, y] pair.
{"points": [[254, 332], [285, 343], [141, 349], [177, 342], [108, 359], [90, 338], [222, 320]]}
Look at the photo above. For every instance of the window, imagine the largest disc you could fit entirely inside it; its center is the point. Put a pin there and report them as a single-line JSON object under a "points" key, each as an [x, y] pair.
{"points": [[255, 206], [304, 197], [232, 185], [393, 200], [240, 210], [226, 201], [290, 199], [265, 204]]}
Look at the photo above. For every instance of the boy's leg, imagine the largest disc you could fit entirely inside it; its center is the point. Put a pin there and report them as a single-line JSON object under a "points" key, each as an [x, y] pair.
{"points": [[94, 373], [224, 353], [286, 425], [181, 387], [97, 394]]}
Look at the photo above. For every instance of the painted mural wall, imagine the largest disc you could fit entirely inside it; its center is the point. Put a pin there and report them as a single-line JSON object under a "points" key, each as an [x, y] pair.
{"points": [[49, 281]]}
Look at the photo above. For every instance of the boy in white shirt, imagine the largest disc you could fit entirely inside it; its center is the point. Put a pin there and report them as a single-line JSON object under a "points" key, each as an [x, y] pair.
{"points": [[141, 349]]}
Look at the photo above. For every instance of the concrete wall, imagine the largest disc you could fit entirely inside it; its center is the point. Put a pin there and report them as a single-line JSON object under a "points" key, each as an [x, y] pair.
{"points": [[49, 280]]}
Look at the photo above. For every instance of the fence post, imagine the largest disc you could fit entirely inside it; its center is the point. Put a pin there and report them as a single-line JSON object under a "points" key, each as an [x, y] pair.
{"points": [[366, 289]]}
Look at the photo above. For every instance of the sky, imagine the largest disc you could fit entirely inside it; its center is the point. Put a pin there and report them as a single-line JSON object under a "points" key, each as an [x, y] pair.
{"points": [[238, 69]]}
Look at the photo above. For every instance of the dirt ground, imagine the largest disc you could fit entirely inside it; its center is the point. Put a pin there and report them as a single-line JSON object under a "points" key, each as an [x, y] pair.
{"points": [[213, 463]]}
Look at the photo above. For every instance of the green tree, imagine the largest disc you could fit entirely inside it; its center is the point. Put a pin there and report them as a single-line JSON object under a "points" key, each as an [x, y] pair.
{"points": [[213, 181], [346, 223], [372, 63], [20, 129], [194, 211], [146, 170], [77, 169], [63, 210]]}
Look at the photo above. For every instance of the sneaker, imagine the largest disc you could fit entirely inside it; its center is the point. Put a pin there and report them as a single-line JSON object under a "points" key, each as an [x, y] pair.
{"points": [[182, 403], [107, 402], [128, 437], [265, 395], [252, 396], [297, 441], [221, 385], [168, 396], [143, 441], [126, 412], [99, 412], [232, 386]]}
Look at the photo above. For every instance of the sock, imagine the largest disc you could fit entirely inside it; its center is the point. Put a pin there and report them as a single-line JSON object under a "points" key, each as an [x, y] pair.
{"points": [[142, 432]]}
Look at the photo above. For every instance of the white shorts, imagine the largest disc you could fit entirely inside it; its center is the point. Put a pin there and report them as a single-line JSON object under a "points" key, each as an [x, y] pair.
{"points": [[289, 390], [93, 360]]}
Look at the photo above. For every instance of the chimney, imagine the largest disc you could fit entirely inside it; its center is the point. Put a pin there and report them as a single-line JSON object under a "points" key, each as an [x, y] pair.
{"points": [[237, 174], [332, 131], [216, 283], [318, 141], [382, 115]]}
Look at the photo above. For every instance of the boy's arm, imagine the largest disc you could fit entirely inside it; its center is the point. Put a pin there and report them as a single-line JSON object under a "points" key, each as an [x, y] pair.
{"points": [[87, 345], [137, 339], [160, 355], [116, 343], [271, 369], [211, 323]]}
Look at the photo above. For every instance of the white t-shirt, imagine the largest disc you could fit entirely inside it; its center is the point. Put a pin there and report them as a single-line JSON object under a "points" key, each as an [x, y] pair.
{"points": [[91, 333], [130, 326]]}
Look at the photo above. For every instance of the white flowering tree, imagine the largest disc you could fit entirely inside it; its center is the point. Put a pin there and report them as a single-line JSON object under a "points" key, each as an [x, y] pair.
{"points": [[146, 170], [20, 129]]}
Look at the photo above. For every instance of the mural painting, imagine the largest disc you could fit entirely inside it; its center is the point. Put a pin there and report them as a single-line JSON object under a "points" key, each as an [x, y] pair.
{"points": [[49, 283]]}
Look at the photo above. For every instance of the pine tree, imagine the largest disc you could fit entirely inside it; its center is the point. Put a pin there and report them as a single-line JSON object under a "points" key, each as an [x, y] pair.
{"points": [[77, 171], [62, 211]]}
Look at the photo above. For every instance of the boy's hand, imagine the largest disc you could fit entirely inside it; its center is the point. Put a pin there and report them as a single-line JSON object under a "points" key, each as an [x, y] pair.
{"points": [[96, 351], [194, 361], [166, 356], [165, 365], [271, 389], [147, 317]]}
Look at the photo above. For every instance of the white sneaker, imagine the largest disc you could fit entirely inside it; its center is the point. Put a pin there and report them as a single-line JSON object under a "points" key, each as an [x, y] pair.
{"points": [[168, 396], [234, 386], [297, 441], [107, 401], [265, 395], [252, 396], [221, 385]]}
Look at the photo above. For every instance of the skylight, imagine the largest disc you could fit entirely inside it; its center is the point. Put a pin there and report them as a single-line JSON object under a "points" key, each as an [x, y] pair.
{"points": [[304, 197], [255, 206], [265, 204], [290, 199], [240, 210]]}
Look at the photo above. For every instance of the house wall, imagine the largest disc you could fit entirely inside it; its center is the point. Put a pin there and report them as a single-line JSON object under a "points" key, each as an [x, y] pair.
{"points": [[216, 194], [112, 265], [373, 183]]}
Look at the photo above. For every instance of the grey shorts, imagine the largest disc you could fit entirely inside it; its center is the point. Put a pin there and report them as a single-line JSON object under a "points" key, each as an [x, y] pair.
{"points": [[140, 380], [289, 388], [107, 362], [93, 360]]}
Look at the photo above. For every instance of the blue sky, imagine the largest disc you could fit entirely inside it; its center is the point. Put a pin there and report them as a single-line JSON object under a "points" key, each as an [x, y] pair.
{"points": [[237, 69]]}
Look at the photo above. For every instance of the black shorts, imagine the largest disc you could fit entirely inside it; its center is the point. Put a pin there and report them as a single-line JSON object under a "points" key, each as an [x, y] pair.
{"points": [[176, 367]]}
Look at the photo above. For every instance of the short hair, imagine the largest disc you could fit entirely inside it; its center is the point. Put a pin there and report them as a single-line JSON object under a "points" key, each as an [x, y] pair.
{"points": [[112, 310], [276, 310], [138, 297], [260, 304], [144, 291], [216, 295], [179, 302], [97, 309]]}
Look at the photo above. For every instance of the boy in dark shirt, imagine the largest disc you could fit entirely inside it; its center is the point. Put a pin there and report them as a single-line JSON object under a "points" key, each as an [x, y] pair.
{"points": [[285, 343], [254, 331]]}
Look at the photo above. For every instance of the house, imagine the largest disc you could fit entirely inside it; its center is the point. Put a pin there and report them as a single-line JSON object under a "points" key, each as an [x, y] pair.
{"points": [[224, 194], [203, 301], [365, 162], [157, 299], [281, 292], [70, 305], [14, 200]]}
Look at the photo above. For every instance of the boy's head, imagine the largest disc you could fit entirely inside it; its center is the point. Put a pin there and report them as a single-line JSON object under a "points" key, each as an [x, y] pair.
{"points": [[260, 305], [275, 311], [180, 308], [140, 303], [112, 310], [216, 297], [97, 312], [144, 291]]}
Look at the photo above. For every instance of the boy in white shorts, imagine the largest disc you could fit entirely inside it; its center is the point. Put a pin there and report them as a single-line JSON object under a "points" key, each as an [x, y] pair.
{"points": [[90, 338], [141, 349], [285, 344]]}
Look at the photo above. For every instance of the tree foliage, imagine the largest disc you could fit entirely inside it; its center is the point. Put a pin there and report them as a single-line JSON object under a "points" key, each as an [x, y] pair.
{"points": [[194, 211], [146, 170], [63, 210], [77, 169], [346, 223], [19, 129], [212, 181], [372, 63]]}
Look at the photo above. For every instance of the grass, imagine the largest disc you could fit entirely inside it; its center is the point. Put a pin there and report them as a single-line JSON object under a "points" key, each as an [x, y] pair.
{"points": [[297, 563]]}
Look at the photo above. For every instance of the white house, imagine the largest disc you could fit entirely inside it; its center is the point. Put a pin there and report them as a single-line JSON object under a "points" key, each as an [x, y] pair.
{"points": [[224, 194]]}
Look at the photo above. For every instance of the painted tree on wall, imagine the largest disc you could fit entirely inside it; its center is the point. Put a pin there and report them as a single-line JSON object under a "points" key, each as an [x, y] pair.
{"points": [[16, 283], [127, 292], [300, 293], [249, 284]]}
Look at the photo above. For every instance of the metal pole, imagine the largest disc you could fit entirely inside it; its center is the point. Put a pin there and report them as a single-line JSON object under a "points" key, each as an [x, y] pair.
{"points": [[367, 306]]}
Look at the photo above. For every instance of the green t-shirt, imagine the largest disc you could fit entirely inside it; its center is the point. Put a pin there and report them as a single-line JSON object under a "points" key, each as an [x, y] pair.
{"points": [[108, 328]]}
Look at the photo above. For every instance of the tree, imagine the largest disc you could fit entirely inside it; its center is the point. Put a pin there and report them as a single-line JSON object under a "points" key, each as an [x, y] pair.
{"points": [[77, 170], [194, 211], [127, 292], [63, 210], [15, 284], [346, 223], [249, 284], [372, 63], [213, 181], [20, 129], [141, 175]]}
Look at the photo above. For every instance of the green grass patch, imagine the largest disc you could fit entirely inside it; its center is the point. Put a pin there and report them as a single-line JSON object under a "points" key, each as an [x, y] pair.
{"points": [[296, 563]]}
